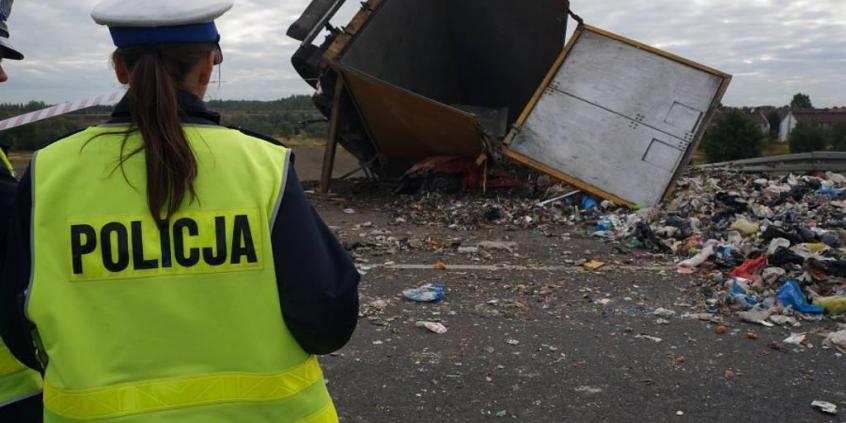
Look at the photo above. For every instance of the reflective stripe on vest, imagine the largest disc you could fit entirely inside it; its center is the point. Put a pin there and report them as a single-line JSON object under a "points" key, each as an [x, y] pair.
{"points": [[172, 321], [6, 163], [17, 382], [157, 395]]}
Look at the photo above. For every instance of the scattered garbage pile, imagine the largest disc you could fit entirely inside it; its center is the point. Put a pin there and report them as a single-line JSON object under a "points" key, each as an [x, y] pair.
{"points": [[770, 244], [772, 248]]}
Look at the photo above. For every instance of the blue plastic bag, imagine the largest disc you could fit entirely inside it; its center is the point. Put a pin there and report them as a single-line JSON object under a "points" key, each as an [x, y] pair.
{"points": [[589, 203], [605, 224], [791, 295], [834, 192], [429, 293], [740, 296]]}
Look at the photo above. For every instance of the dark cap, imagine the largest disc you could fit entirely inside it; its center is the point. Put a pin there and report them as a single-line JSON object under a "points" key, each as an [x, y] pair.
{"points": [[7, 50]]}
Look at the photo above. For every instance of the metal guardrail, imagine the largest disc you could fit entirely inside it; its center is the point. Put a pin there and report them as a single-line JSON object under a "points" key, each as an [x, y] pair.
{"points": [[820, 161]]}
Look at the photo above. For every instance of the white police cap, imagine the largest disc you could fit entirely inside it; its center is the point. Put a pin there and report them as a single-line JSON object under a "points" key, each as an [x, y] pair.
{"points": [[139, 22]]}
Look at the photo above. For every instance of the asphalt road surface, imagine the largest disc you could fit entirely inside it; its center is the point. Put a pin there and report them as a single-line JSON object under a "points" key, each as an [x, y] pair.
{"points": [[556, 345]]}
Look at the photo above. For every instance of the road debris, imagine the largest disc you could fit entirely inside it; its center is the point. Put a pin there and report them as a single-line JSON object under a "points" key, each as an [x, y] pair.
{"points": [[834, 306], [825, 407], [654, 339], [796, 339], [498, 246], [757, 316], [433, 327], [590, 390], [664, 313], [729, 374], [836, 340], [430, 292], [593, 265]]}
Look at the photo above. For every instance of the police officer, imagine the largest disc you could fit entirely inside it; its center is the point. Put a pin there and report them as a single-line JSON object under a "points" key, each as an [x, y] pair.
{"points": [[20, 387], [171, 269]]}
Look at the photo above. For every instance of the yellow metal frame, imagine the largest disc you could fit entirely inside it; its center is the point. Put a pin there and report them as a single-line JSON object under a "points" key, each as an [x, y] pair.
{"points": [[533, 102]]}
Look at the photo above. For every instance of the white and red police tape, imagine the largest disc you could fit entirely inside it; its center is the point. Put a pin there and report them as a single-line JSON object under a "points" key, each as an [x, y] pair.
{"points": [[61, 109]]}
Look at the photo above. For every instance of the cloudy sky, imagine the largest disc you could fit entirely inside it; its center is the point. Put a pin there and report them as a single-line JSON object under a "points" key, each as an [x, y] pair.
{"points": [[774, 48]]}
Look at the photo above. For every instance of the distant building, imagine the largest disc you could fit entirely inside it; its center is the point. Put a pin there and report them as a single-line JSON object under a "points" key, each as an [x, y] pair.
{"points": [[762, 116], [823, 117]]}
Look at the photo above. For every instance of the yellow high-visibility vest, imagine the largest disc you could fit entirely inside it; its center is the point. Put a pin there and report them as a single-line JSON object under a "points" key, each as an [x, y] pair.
{"points": [[171, 321], [17, 382]]}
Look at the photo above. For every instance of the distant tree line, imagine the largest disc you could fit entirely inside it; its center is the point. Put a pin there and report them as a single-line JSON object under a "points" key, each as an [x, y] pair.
{"points": [[735, 135], [284, 118]]}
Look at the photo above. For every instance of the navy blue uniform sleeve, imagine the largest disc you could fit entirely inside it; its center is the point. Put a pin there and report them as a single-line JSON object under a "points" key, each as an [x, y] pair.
{"points": [[14, 278], [318, 283], [8, 189]]}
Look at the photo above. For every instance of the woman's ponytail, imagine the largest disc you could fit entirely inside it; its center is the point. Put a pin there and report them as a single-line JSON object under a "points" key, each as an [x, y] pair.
{"points": [[155, 75]]}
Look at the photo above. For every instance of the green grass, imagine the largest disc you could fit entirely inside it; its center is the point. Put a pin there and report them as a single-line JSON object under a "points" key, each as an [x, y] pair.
{"points": [[776, 149]]}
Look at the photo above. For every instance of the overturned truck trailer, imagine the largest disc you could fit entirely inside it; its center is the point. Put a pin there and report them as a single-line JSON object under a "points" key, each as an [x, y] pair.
{"points": [[407, 80]]}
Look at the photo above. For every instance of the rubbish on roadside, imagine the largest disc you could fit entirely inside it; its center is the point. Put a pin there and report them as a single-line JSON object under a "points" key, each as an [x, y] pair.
{"points": [[591, 390], [783, 320], [832, 192], [557, 199], [771, 275], [776, 244], [750, 268], [430, 292], [380, 304], [751, 335], [440, 266], [796, 339], [729, 374], [654, 339], [705, 317], [349, 211], [468, 250], [685, 270], [512, 342], [588, 202], [834, 306], [744, 226], [756, 316], [433, 327], [498, 246], [664, 313], [791, 295], [738, 293], [701, 257], [836, 340], [825, 407], [593, 265], [720, 329]]}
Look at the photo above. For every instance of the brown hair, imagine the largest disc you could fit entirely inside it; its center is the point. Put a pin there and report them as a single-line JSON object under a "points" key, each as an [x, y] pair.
{"points": [[155, 74]]}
